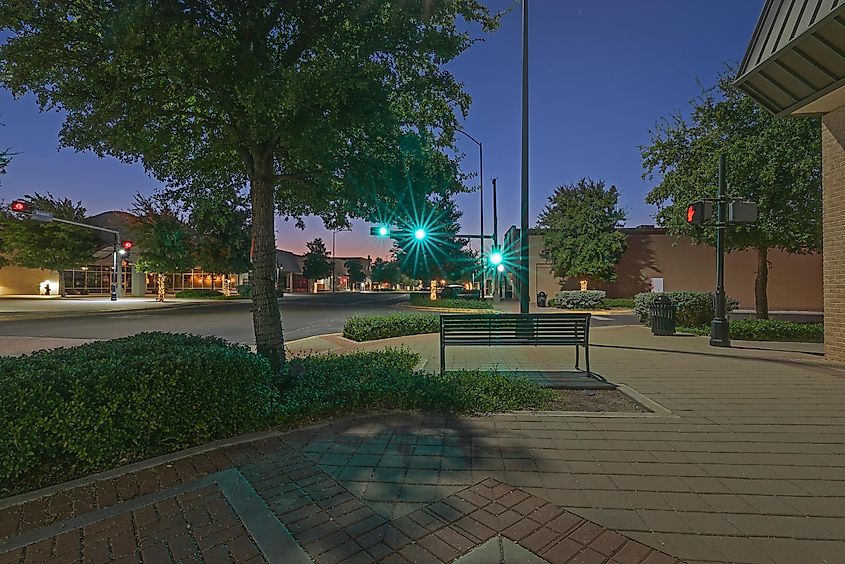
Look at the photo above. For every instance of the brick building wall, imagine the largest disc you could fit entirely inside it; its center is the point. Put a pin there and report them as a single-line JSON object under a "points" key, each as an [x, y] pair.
{"points": [[833, 185]]}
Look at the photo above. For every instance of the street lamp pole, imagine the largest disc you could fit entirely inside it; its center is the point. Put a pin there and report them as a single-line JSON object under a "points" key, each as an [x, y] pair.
{"points": [[523, 231], [481, 191]]}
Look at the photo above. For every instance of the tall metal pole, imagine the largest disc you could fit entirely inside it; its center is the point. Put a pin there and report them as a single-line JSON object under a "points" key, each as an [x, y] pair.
{"points": [[719, 328], [333, 261], [523, 231], [496, 284], [481, 190], [114, 270]]}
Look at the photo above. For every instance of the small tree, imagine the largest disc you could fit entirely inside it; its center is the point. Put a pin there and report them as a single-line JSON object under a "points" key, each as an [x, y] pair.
{"points": [[581, 236], [773, 161], [164, 240], [385, 272], [317, 264], [356, 273], [49, 246]]}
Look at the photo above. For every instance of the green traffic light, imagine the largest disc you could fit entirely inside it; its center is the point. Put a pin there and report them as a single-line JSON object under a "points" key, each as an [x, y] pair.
{"points": [[382, 231], [496, 258], [420, 234]]}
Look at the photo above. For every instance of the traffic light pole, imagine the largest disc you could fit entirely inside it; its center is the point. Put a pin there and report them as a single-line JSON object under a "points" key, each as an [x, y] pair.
{"points": [[523, 231], [719, 328]]}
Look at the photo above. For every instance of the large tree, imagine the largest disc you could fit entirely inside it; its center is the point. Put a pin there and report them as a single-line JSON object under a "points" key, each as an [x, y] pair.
{"points": [[164, 241], [302, 101], [385, 272], [316, 264], [773, 161], [51, 246], [355, 271], [581, 236]]}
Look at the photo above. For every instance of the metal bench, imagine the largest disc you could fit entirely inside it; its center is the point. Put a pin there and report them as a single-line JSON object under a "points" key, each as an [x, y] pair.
{"points": [[516, 329]]}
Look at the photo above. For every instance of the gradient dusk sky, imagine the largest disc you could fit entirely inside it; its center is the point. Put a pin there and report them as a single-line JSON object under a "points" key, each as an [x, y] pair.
{"points": [[602, 74]]}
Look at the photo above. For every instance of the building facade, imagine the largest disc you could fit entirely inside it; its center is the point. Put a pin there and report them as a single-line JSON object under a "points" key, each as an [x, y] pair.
{"points": [[654, 260], [795, 66]]}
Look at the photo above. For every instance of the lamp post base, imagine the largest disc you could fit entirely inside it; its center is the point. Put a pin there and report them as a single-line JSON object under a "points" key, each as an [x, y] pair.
{"points": [[720, 333]]}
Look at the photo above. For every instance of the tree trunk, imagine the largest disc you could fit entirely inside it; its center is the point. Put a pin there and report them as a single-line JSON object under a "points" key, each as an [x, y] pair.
{"points": [[161, 280], [266, 318], [761, 298]]}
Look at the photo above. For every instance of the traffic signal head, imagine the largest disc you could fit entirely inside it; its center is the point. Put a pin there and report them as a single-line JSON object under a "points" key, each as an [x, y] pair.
{"points": [[699, 212], [420, 234], [20, 206], [127, 245], [380, 231], [496, 257]]}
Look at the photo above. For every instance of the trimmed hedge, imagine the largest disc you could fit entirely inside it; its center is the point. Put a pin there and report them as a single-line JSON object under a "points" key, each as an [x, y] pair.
{"points": [[331, 384], [199, 293], [694, 309], [768, 330], [372, 327], [627, 303], [423, 300], [576, 299], [245, 290], [109, 402]]}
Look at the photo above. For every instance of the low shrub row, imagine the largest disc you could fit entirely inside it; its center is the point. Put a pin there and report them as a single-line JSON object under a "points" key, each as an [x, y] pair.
{"points": [[424, 300], [372, 327], [91, 406], [69, 412], [626, 303], [767, 330], [694, 309], [576, 299], [200, 293], [328, 385]]}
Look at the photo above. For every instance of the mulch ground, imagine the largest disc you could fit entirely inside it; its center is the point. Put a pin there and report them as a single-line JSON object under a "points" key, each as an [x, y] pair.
{"points": [[594, 401]]}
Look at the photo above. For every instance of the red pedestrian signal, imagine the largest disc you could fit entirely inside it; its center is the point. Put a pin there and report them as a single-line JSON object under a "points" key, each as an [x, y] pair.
{"points": [[127, 246], [699, 212], [691, 214], [20, 206]]}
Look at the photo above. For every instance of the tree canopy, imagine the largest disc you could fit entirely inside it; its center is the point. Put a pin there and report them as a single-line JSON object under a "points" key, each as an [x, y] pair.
{"points": [[773, 161], [51, 246], [581, 234], [316, 264], [306, 103], [355, 271], [385, 271], [220, 222], [165, 240]]}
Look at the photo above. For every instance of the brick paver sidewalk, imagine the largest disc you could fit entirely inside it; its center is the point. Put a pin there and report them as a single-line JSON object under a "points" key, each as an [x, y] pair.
{"points": [[747, 465]]}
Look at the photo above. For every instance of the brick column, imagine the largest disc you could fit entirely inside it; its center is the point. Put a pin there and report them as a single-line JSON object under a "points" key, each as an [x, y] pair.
{"points": [[833, 185]]}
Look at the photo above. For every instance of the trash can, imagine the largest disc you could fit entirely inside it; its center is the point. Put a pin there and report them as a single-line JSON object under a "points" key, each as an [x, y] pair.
{"points": [[662, 312], [541, 299]]}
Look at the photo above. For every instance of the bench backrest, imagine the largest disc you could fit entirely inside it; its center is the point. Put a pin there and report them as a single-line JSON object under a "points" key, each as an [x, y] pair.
{"points": [[515, 329]]}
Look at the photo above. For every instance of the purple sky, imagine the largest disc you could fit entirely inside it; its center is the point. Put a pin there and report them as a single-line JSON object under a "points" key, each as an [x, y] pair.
{"points": [[602, 73]]}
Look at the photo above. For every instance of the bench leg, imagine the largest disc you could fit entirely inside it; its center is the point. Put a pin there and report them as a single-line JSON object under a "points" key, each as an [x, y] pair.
{"points": [[587, 356], [442, 359], [577, 356]]}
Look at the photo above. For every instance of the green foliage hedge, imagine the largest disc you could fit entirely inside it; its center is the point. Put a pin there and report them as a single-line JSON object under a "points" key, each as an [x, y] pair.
{"points": [[199, 293], [332, 384], [694, 309], [768, 330], [372, 327], [576, 299], [245, 290], [627, 303], [108, 402], [423, 300]]}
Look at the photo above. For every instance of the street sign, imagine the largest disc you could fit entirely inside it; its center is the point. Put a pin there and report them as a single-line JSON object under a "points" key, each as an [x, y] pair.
{"points": [[41, 215], [742, 212]]}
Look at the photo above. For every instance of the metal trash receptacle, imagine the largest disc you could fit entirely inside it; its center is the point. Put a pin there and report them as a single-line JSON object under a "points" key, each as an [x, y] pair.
{"points": [[541, 299], [662, 312]]}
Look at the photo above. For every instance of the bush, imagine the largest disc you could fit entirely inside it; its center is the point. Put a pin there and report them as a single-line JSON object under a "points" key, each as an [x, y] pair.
{"points": [[331, 384], [576, 299], [627, 303], [424, 300], [245, 290], [110, 402], [694, 309], [199, 293], [370, 328], [768, 330]]}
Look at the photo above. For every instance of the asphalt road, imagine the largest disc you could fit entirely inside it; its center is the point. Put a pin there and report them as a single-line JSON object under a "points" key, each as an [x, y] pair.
{"points": [[302, 316]]}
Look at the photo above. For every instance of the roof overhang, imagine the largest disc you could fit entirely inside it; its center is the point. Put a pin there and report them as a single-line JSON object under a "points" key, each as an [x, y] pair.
{"points": [[795, 62]]}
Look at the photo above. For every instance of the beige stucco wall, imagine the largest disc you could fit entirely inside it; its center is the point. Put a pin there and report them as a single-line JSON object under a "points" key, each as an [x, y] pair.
{"points": [[26, 281], [795, 281]]}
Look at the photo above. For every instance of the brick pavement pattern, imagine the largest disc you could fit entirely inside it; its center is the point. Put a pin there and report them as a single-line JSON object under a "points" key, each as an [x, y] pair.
{"points": [[748, 467]]}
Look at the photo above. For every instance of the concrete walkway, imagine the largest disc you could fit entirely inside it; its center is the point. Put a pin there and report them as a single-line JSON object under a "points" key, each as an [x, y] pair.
{"points": [[747, 465]]}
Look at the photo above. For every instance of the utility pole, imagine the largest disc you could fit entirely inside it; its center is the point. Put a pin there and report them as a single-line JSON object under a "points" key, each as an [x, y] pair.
{"points": [[481, 191], [719, 328], [496, 276], [523, 231]]}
